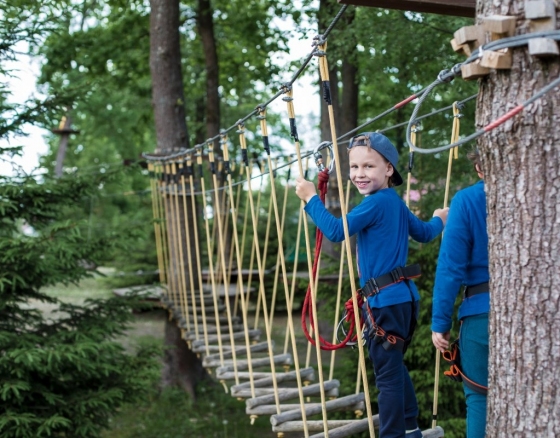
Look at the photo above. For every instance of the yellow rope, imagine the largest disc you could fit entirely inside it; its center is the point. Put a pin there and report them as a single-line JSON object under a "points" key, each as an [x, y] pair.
{"points": [[452, 152], [325, 77], [409, 177], [221, 248], [210, 261], [184, 307], [163, 225], [198, 260], [156, 220], [262, 291], [172, 242], [189, 251]]}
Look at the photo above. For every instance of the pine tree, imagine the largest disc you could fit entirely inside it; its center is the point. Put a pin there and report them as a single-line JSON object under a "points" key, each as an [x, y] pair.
{"points": [[63, 375]]}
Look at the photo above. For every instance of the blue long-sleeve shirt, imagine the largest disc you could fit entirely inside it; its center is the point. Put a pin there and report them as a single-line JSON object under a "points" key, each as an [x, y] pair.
{"points": [[463, 258], [382, 222]]}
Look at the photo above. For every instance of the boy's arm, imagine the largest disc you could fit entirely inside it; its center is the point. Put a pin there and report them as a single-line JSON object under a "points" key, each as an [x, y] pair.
{"points": [[452, 264], [424, 231]]}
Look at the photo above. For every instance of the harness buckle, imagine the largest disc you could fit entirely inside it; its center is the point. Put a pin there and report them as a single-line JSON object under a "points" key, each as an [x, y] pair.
{"points": [[397, 274]]}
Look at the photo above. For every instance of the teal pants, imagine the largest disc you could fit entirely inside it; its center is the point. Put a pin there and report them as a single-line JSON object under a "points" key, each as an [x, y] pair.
{"points": [[474, 362]]}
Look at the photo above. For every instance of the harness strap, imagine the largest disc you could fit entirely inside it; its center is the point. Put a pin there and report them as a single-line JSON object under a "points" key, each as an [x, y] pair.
{"points": [[453, 357], [476, 289], [374, 285]]}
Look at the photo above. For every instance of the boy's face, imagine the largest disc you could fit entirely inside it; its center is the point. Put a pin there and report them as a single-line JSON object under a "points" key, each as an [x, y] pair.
{"points": [[369, 171]]}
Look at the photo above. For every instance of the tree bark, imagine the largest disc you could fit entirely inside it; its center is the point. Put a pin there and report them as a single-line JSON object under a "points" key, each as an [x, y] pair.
{"points": [[521, 166], [181, 366], [205, 26], [168, 99]]}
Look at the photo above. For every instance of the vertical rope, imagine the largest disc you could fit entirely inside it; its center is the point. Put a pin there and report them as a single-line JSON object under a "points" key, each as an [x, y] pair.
{"points": [[325, 78], [453, 151], [182, 170], [210, 259], [222, 254], [155, 214], [172, 242], [197, 252], [181, 262], [410, 163], [158, 168], [262, 293]]}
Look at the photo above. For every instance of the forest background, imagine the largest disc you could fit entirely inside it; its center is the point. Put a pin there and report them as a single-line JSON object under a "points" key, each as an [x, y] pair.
{"points": [[95, 71]]}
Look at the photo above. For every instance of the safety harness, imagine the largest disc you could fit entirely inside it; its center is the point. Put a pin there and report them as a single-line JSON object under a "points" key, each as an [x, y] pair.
{"points": [[372, 287], [453, 355]]}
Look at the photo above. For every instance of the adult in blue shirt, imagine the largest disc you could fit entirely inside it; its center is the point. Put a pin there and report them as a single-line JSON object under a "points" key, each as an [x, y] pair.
{"points": [[463, 261], [382, 223]]}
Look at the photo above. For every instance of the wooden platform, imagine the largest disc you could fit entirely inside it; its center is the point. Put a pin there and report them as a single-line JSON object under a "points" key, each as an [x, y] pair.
{"points": [[459, 8]]}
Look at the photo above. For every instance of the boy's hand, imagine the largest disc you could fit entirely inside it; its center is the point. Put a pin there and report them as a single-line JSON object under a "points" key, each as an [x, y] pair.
{"points": [[441, 340], [305, 190], [442, 214]]}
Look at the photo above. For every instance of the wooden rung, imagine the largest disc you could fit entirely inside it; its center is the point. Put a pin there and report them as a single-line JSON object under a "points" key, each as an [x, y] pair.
{"points": [[200, 347], [350, 402], [253, 335], [330, 387], [459, 48], [240, 351], [211, 330], [437, 432], [362, 425], [222, 319], [543, 47], [305, 373], [259, 392], [312, 425], [355, 427], [273, 409], [242, 365], [244, 375]]}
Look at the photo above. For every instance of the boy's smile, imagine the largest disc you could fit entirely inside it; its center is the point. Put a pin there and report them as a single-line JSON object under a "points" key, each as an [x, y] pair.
{"points": [[369, 171]]}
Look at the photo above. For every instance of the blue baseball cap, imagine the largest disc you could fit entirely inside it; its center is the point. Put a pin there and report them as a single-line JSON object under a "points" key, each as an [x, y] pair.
{"points": [[378, 142]]}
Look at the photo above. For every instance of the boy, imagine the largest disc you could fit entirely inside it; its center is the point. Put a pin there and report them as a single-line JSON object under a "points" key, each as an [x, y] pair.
{"points": [[463, 260], [382, 223]]}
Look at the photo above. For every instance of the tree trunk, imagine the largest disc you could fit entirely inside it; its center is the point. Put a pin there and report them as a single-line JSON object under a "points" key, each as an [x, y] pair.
{"points": [[205, 26], [521, 166], [181, 365], [168, 99]]}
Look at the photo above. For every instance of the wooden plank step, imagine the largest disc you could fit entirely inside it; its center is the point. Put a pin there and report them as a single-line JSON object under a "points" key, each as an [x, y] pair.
{"points": [[211, 330], [305, 373], [200, 347], [211, 319], [330, 387], [242, 365], [240, 351], [253, 335], [244, 375], [312, 425], [350, 402], [271, 409], [358, 426]]}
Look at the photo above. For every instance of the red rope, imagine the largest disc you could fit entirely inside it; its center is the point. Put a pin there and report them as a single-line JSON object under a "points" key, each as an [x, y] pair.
{"points": [[307, 311]]}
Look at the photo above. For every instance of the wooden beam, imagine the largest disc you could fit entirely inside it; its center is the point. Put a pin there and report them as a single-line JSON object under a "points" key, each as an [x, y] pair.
{"points": [[458, 8]]}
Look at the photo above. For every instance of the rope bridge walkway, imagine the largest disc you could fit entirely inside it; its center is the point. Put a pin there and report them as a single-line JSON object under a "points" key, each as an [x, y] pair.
{"points": [[218, 299]]}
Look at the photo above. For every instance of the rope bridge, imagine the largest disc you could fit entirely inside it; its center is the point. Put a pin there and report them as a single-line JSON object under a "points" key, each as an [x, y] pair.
{"points": [[218, 299]]}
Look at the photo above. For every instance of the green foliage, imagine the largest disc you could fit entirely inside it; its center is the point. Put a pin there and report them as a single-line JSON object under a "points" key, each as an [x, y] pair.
{"points": [[65, 375], [173, 414]]}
